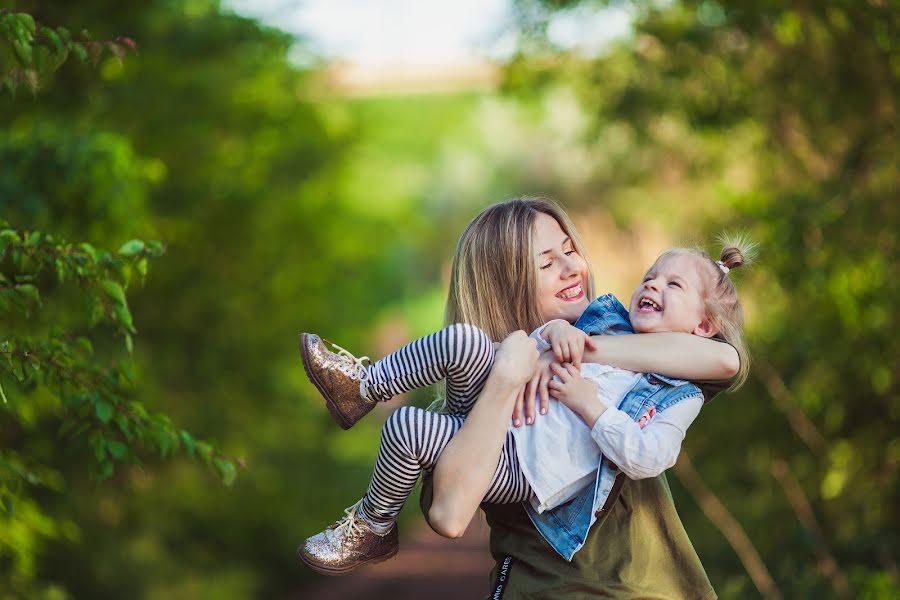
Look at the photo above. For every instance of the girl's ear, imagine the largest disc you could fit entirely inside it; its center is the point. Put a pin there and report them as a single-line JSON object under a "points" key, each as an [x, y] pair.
{"points": [[705, 329]]}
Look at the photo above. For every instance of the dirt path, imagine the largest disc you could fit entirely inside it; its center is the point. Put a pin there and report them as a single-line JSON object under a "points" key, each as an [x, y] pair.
{"points": [[427, 566]]}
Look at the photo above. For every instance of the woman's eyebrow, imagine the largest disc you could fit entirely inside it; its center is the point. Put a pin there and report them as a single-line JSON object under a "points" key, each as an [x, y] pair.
{"points": [[568, 239]]}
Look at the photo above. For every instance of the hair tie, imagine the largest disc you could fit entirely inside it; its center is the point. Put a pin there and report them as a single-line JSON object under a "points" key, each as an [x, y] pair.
{"points": [[723, 267]]}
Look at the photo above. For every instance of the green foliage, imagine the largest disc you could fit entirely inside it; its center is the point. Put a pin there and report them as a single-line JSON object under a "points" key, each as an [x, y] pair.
{"points": [[32, 51], [50, 374]]}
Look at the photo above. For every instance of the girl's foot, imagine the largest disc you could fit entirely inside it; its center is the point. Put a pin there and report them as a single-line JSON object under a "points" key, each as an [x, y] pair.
{"points": [[340, 378], [348, 544]]}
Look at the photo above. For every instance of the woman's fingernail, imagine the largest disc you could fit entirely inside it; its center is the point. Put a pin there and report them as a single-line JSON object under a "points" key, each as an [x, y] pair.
{"points": [[518, 422], [530, 420], [543, 411]]}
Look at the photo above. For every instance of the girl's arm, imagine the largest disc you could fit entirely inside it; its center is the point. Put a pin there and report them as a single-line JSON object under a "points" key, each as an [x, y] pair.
{"points": [[680, 355], [465, 469], [647, 452], [640, 449]]}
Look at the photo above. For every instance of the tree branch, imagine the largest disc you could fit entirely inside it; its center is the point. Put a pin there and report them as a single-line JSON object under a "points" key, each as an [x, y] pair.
{"points": [[716, 511]]}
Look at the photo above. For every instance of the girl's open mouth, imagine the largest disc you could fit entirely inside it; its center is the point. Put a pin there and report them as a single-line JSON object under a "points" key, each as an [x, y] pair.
{"points": [[646, 305]]}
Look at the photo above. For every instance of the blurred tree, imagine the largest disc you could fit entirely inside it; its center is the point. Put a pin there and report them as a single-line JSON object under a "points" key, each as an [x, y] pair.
{"points": [[58, 302], [781, 119], [212, 141]]}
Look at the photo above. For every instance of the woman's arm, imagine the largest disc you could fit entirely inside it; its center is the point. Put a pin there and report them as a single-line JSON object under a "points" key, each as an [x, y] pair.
{"points": [[465, 469], [672, 354]]}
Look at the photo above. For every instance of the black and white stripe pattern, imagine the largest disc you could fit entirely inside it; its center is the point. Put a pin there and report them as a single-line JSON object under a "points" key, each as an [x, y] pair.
{"points": [[413, 439], [462, 354]]}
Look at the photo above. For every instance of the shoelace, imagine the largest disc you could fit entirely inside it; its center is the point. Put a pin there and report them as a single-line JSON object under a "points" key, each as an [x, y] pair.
{"points": [[350, 524], [362, 372]]}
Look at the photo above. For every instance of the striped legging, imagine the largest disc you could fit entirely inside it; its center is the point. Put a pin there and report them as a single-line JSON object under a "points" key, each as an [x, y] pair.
{"points": [[413, 439]]}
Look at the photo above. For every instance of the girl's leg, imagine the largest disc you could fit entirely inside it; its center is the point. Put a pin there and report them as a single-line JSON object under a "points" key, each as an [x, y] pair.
{"points": [[412, 441], [461, 353]]}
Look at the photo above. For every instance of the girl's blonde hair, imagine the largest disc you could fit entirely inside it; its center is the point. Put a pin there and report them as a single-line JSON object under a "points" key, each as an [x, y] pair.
{"points": [[721, 306], [493, 279]]}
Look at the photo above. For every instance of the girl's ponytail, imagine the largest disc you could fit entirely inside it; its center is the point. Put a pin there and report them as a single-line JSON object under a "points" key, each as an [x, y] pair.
{"points": [[737, 251]]}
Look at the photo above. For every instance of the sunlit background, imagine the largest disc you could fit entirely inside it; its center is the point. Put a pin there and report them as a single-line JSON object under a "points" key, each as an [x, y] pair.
{"points": [[309, 165]]}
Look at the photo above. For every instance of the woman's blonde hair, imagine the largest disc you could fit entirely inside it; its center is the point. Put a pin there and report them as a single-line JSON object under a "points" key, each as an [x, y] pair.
{"points": [[493, 279], [721, 306]]}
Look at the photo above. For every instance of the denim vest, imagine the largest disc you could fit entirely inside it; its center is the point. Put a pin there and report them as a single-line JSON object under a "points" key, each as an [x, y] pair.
{"points": [[566, 527]]}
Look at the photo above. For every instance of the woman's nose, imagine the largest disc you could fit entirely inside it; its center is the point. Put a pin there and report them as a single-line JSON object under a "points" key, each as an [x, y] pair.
{"points": [[569, 268]]}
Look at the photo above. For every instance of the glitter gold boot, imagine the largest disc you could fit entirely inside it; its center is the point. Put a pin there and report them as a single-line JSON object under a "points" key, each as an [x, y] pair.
{"points": [[340, 378], [348, 544]]}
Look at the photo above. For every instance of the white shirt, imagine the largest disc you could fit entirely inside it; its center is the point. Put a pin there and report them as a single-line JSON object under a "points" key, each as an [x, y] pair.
{"points": [[559, 453]]}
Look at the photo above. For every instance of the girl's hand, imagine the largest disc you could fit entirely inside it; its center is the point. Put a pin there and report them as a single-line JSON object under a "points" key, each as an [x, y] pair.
{"points": [[576, 392], [568, 342], [536, 386]]}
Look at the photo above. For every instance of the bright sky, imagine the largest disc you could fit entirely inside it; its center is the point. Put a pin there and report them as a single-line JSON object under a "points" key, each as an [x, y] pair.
{"points": [[423, 32]]}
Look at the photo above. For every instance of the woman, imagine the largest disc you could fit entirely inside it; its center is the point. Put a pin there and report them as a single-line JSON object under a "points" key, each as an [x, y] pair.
{"points": [[638, 547]]}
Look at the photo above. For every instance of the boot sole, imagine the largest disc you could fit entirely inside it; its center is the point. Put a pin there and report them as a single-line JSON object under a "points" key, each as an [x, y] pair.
{"points": [[330, 571], [332, 408]]}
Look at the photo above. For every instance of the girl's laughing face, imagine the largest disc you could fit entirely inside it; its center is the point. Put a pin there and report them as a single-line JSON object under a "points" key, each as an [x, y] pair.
{"points": [[670, 298]]}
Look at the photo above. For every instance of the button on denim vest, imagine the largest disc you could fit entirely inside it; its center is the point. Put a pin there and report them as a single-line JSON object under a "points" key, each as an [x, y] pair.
{"points": [[566, 527]]}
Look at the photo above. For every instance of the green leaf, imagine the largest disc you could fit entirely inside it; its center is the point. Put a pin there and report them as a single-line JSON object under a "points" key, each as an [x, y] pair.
{"points": [[164, 442], [129, 343], [106, 470], [123, 316], [103, 410], [89, 250], [113, 290], [80, 51], [60, 270], [124, 426], [9, 84], [7, 236], [54, 39], [23, 52], [29, 291], [118, 450], [141, 267], [3, 394], [27, 21], [85, 344], [188, 442], [131, 247], [226, 470]]}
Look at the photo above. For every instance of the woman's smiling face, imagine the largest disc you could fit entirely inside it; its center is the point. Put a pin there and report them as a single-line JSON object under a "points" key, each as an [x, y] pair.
{"points": [[562, 272]]}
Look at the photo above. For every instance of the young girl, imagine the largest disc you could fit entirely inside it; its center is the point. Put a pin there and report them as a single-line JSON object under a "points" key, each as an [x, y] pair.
{"points": [[684, 290]]}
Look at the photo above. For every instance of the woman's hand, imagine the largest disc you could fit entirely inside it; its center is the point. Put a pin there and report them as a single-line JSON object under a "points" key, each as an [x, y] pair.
{"points": [[576, 392], [536, 389], [568, 342], [515, 359]]}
